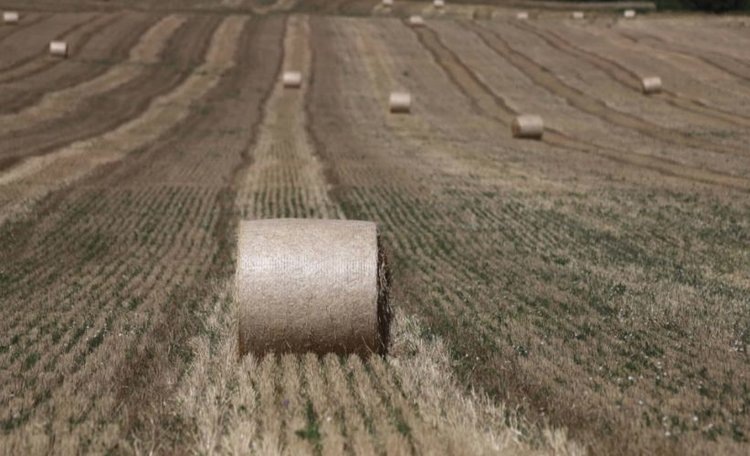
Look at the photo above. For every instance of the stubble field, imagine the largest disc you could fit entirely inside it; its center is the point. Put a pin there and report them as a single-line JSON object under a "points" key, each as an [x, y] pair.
{"points": [[587, 293]]}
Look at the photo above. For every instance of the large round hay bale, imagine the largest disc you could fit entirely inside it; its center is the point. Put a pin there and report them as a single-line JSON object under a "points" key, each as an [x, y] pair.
{"points": [[400, 102], [292, 79], [629, 14], [387, 3], [522, 15], [528, 127], [578, 15], [416, 21], [305, 285], [11, 17], [59, 49], [651, 84], [439, 4]]}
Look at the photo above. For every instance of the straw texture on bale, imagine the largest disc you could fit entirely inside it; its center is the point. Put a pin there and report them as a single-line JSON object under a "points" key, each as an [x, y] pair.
{"points": [[416, 21], [11, 17], [58, 48], [523, 15], [400, 102], [629, 14], [651, 84], [292, 79], [578, 15], [528, 126], [305, 285]]}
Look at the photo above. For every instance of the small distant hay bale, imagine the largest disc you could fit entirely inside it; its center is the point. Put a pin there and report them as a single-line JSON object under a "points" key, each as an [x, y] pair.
{"points": [[527, 126], [306, 285], [439, 4], [522, 15], [387, 3], [578, 15], [416, 21], [400, 102], [292, 79], [59, 49], [651, 85], [629, 14], [11, 17]]}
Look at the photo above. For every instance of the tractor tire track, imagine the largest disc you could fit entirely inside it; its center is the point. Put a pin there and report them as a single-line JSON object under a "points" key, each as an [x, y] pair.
{"points": [[728, 64], [495, 106], [546, 79], [630, 79]]}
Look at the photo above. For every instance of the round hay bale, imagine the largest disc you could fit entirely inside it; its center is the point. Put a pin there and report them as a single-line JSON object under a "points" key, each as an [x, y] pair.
{"points": [[416, 21], [292, 79], [439, 4], [305, 285], [11, 17], [387, 3], [522, 15], [528, 127], [629, 14], [578, 15], [651, 84], [400, 102], [59, 49]]}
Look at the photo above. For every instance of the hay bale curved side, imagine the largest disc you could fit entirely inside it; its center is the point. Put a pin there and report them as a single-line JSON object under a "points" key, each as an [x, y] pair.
{"points": [[527, 126], [58, 49], [416, 21], [11, 17], [318, 286], [400, 102], [651, 84], [292, 79]]}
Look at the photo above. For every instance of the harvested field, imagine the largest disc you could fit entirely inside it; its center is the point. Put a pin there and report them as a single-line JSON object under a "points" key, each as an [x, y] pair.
{"points": [[587, 293]]}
